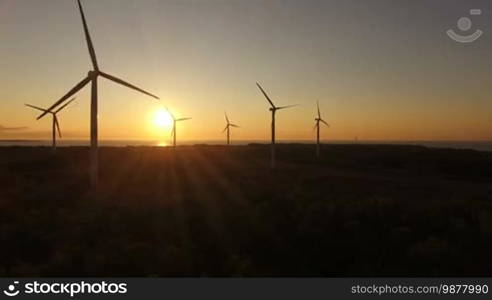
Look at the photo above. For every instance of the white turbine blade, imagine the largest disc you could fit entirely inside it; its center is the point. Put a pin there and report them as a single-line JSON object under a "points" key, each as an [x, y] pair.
{"points": [[183, 119], [35, 107], [74, 90], [65, 105], [265, 94], [128, 85], [325, 122], [233, 125], [90, 46], [172, 131], [288, 106], [227, 126], [57, 126]]}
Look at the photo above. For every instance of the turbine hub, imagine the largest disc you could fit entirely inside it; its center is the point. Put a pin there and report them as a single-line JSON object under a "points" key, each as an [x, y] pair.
{"points": [[93, 73]]}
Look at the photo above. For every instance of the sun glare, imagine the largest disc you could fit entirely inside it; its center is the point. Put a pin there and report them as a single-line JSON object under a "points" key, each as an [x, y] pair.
{"points": [[163, 119]]}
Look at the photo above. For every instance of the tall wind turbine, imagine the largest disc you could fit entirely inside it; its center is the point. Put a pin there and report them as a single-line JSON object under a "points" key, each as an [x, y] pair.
{"points": [[173, 132], [318, 120], [92, 77], [55, 124], [273, 109], [228, 129]]}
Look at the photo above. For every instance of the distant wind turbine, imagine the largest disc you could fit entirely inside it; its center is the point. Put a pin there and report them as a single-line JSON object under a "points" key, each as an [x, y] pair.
{"points": [[273, 109], [92, 78], [55, 124], [318, 119], [228, 129], [173, 132]]}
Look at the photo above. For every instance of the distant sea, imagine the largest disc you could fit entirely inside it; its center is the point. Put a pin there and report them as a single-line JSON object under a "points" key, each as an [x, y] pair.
{"points": [[474, 145]]}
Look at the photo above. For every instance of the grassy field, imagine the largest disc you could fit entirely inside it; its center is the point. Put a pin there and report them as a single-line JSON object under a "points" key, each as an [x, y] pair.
{"points": [[362, 210]]}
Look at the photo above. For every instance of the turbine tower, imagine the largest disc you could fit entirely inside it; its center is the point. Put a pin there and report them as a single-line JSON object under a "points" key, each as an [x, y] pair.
{"points": [[318, 119], [228, 129], [55, 124], [273, 109], [173, 132], [92, 77]]}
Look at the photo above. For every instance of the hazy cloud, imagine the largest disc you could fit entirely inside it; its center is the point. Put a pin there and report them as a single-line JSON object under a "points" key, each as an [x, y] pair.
{"points": [[3, 128]]}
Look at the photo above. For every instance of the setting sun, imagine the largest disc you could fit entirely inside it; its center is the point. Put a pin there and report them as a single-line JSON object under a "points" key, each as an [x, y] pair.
{"points": [[337, 143], [163, 119]]}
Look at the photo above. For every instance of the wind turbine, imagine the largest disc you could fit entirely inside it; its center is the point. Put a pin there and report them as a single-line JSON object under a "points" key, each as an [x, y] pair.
{"points": [[228, 128], [173, 132], [55, 124], [92, 77], [318, 119], [273, 109]]}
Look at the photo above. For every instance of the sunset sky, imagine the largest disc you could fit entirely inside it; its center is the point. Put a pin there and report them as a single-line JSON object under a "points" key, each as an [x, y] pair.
{"points": [[381, 69]]}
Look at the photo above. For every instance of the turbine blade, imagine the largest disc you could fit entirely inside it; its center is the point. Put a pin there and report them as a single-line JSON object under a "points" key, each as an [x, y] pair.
{"points": [[319, 113], [74, 90], [65, 105], [170, 113], [38, 108], [90, 46], [233, 125], [172, 131], [227, 126], [265, 94], [128, 85], [57, 126], [325, 122], [183, 119], [227, 119], [288, 106], [316, 126]]}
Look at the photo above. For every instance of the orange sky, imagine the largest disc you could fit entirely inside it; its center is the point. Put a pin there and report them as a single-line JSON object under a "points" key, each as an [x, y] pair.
{"points": [[375, 76]]}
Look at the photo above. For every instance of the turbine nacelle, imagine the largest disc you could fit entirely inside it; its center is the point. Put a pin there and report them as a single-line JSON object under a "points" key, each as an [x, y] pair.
{"points": [[93, 74], [318, 118], [229, 124]]}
